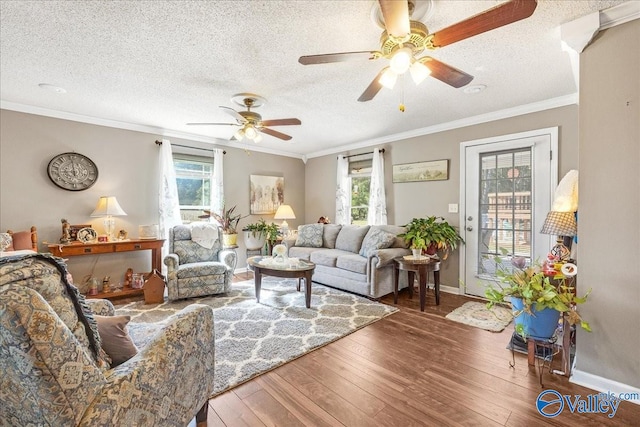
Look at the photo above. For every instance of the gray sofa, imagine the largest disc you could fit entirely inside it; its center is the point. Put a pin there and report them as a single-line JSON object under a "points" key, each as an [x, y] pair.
{"points": [[354, 258]]}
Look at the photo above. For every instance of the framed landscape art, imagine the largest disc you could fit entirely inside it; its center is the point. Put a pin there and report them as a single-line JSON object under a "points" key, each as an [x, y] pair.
{"points": [[434, 170], [266, 194]]}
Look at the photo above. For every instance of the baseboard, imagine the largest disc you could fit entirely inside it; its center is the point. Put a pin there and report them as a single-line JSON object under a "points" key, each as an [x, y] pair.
{"points": [[603, 385], [450, 289]]}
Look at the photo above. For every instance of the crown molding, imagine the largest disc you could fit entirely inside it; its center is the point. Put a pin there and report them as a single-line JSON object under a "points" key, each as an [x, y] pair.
{"points": [[160, 132], [549, 104]]}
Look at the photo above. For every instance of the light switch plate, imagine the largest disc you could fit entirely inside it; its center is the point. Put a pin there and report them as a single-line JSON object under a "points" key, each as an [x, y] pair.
{"points": [[453, 208]]}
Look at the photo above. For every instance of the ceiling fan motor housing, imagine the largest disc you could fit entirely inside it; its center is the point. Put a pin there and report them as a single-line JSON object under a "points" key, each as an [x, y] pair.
{"points": [[417, 40], [251, 117]]}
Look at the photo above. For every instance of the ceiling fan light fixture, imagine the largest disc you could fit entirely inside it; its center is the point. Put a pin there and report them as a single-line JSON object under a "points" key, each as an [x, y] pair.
{"points": [[419, 72], [388, 78], [258, 138], [250, 132], [401, 60], [239, 135]]}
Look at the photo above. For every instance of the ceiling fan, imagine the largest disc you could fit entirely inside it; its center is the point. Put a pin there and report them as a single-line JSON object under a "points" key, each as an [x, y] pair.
{"points": [[251, 123], [404, 39]]}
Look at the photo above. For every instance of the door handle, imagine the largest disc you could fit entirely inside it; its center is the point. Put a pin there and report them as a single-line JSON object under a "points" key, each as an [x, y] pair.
{"points": [[469, 228]]}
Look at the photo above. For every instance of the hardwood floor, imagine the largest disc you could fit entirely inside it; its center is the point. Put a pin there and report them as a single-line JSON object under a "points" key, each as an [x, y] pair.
{"points": [[408, 369]]}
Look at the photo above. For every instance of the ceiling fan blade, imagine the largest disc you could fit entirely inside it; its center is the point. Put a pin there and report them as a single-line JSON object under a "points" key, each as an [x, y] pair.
{"points": [[275, 133], [396, 17], [446, 73], [212, 124], [338, 57], [490, 19], [281, 122], [233, 113], [373, 88]]}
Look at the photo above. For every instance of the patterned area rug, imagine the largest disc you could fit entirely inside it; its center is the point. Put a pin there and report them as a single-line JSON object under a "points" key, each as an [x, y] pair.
{"points": [[254, 338], [476, 314]]}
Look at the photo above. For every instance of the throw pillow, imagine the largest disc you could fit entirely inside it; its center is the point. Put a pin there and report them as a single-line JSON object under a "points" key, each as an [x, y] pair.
{"points": [[21, 240], [376, 238], [115, 338], [310, 236], [350, 237]]}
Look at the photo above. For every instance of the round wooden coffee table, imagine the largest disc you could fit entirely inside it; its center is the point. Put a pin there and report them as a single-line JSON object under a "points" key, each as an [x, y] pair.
{"points": [[264, 265], [422, 267]]}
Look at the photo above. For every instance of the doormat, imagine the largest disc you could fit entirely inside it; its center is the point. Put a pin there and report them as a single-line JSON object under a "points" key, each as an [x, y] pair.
{"points": [[476, 314]]}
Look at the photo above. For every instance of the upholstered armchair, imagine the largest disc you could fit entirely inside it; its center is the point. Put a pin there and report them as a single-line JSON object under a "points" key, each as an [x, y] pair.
{"points": [[54, 371], [197, 266]]}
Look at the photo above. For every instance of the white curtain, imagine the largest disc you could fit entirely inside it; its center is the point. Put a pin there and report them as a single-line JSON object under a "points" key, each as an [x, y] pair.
{"points": [[217, 184], [343, 192], [377, 214], [168, 204]]}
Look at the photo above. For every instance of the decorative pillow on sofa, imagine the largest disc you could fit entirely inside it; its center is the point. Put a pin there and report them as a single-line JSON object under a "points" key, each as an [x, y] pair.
{"points": [[376, 238], [350, 237], [115, 338], [330, 235], [310, 236]]}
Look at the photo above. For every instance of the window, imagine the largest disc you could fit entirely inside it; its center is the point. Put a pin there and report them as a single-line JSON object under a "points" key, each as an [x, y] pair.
{"points": [[360, 177], [193, 178]]}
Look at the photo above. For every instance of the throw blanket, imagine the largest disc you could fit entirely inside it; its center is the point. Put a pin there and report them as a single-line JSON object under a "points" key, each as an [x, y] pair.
{"points": [[204, 234]]}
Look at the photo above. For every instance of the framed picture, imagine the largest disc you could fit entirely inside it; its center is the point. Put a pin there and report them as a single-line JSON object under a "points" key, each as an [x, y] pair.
{"points": [[267, 193], [73, 231], [434, 170]]}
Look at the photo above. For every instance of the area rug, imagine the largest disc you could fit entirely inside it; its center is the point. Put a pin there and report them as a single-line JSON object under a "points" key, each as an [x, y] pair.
{"points": [[476, 314], [252, 338]]}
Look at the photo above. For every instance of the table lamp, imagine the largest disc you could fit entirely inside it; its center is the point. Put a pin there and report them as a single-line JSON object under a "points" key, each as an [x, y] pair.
{"points": [[284, 213], [108, 207], [560, 224]]}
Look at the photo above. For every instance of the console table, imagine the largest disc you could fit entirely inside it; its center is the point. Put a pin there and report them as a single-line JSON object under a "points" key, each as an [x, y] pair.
{"points": [[81, 249]]}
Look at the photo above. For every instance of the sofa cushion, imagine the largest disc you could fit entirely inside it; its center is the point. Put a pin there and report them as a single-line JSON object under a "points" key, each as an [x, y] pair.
{"points": [[301, 252], [352, 262], [310, 236], [327, 257], [330, 235], [395, 230], [376, 238], [350, 237], [199, 269]]}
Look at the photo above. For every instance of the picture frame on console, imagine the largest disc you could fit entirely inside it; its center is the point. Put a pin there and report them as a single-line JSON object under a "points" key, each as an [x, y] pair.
{"points": [[73, 230]]}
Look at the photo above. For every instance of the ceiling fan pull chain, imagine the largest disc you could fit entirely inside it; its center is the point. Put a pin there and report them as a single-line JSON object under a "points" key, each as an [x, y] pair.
{"points": [[401, 106]]}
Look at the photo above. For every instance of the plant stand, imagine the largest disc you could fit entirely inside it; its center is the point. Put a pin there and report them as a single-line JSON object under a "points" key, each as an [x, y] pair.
{"points": [[540, 352]]}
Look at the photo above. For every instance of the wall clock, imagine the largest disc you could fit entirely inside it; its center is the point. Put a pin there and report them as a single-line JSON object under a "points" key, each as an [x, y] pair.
{"points": [[72, 171]]}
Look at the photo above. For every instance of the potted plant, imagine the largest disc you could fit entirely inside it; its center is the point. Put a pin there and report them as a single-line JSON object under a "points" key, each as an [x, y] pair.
{"points": [[228, 220], [431, 234], [256, 234], [537, 299]]}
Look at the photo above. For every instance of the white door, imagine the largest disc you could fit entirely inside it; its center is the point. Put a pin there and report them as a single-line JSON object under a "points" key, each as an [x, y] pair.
{"points": [[507, 186]]}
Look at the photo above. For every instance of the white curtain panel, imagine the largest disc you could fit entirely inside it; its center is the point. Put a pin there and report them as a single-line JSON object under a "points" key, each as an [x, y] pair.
{"points": [[343, 192], [169, 206], [217, 184], [377, 214]]}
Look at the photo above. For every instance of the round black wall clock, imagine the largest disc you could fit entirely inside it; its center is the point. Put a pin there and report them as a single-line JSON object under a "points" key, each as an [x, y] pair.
{"points": [[72, 171]]}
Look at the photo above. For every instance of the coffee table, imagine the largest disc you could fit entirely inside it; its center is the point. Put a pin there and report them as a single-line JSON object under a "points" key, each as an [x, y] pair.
{"points": [[421, 266], [264, 265]]}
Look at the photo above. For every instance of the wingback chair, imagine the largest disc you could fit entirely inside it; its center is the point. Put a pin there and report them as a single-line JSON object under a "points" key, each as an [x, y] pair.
{"points": [[54, 371], [193, 269]]}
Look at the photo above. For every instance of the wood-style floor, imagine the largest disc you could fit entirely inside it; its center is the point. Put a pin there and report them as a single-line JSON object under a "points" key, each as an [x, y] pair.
{"points": [[408, 369]]}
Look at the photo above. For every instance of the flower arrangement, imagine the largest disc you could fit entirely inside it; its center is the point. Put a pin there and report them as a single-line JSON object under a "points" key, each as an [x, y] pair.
{"points": [[538, 288]]}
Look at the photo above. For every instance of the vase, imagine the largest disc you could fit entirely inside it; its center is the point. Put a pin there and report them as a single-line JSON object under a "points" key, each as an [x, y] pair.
{"points": [[229, 239], [417, 253], [432, 249], [541, 325]]}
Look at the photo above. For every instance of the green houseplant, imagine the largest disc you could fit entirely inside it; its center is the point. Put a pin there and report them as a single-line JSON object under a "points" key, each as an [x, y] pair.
{"points": [[431, 234], [228, 221], [256, 234], [533, 295]]}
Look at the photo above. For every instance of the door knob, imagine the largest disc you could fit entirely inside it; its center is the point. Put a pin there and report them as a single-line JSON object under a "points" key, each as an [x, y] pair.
{"points": [[469, 228], [469, 218]]}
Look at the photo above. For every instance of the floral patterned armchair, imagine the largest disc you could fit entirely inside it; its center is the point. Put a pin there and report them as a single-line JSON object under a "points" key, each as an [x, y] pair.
{"points": [[53, 371], [193, 269]]}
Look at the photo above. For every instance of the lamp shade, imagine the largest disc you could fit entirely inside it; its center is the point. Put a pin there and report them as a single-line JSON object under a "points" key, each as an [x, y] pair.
{"points": [[284, 212], [108, 206], [560, 224]]}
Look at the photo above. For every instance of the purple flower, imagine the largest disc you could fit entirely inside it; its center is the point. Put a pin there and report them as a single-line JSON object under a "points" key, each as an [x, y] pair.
{"points": [[519, 262]]}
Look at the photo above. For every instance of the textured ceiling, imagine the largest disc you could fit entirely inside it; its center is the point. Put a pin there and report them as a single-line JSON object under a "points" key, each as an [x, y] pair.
{"points": [[165, 63]]}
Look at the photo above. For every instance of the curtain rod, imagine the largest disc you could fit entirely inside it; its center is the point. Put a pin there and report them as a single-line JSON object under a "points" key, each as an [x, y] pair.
{"points": [[363, 154], [158, 142]]}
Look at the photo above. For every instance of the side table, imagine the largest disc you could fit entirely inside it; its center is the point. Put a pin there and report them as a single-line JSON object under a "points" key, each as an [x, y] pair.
{"points": [[421, 266]]}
